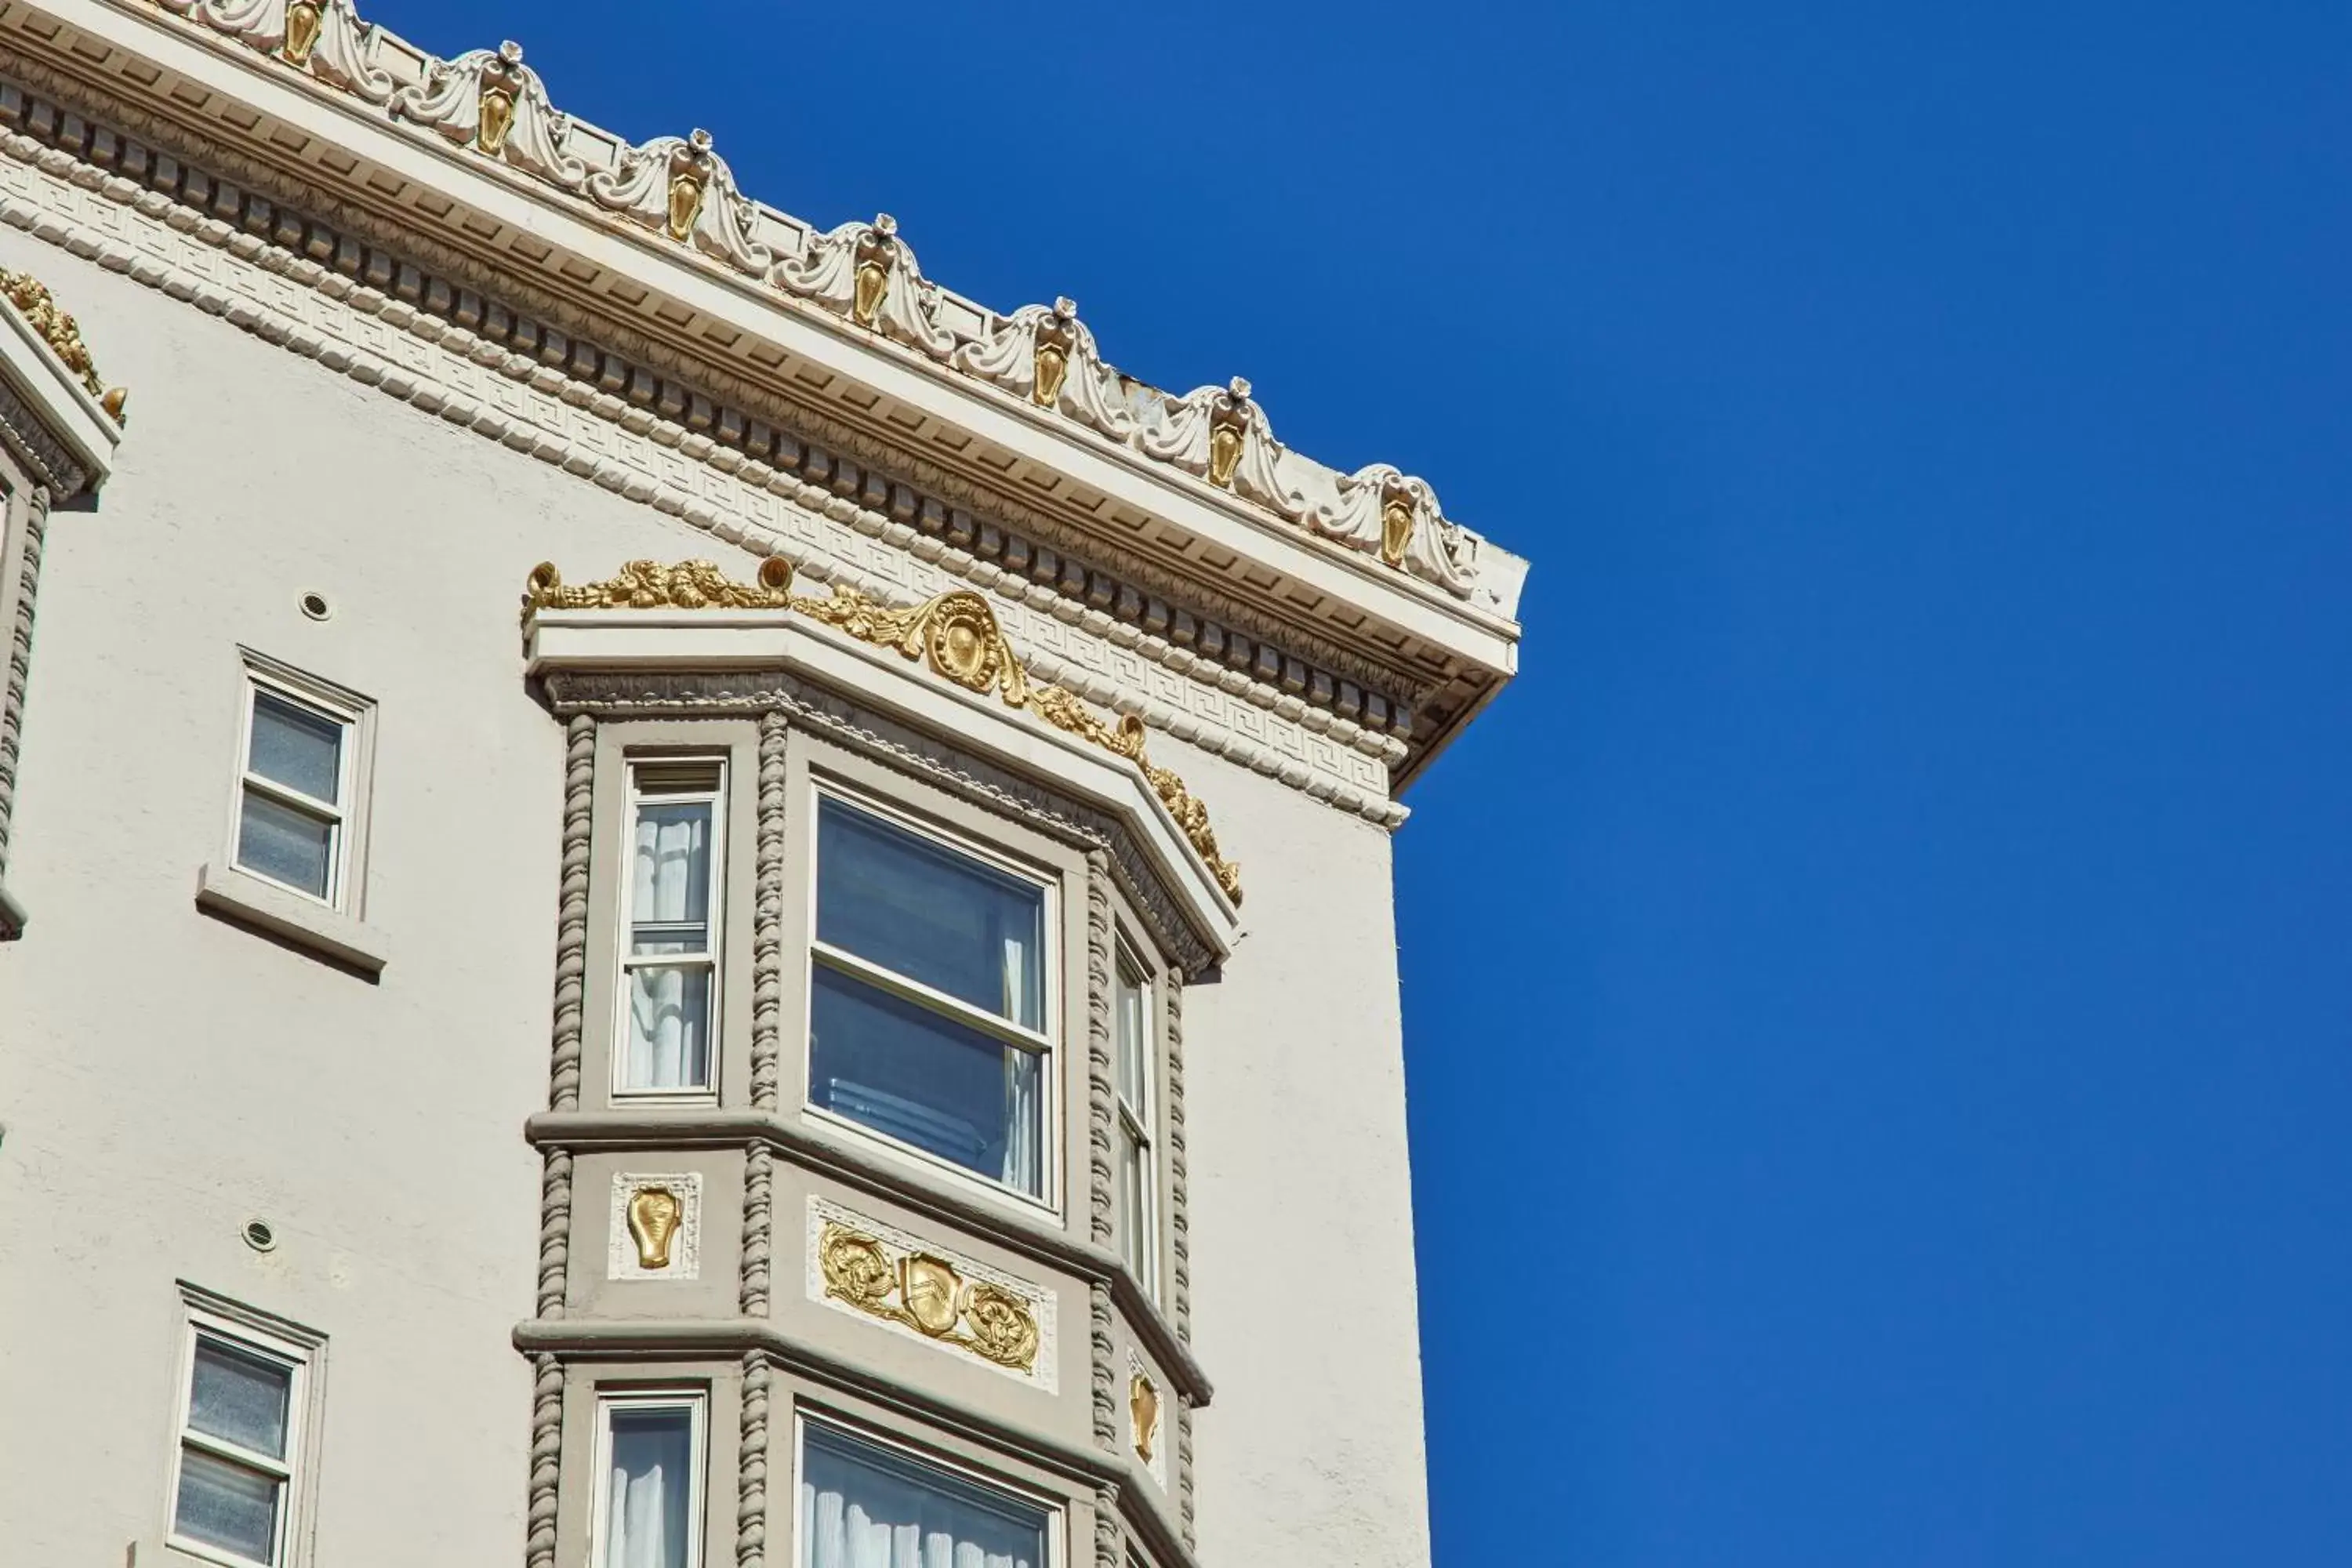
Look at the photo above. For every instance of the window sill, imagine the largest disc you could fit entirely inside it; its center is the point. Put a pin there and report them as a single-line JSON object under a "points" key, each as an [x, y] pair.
{"points": [[243, 896], [12, 916]]}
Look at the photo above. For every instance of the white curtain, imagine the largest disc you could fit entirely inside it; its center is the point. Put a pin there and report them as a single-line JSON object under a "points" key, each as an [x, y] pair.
{"points": [[1021, 1121], [639, 1532], [890, 1523], [669, 1008]]}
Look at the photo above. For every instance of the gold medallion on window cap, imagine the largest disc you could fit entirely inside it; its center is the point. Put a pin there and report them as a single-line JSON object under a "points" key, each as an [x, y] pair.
{"points": [[654, 1216]]}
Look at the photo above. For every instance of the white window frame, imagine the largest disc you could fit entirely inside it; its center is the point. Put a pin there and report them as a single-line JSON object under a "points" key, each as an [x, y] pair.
{"points": [[1055, 1509], [303, 1352], [1045, 1044], [711, 959], [695, 1399], [347, 813], [1140, 1124]]}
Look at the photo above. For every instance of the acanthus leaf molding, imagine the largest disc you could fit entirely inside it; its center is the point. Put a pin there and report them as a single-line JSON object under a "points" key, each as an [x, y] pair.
{"points": [[1045, 354], [487, 98], [325, 37], [865, 272], [680, 186], [1220, 434], [1385, 511]]}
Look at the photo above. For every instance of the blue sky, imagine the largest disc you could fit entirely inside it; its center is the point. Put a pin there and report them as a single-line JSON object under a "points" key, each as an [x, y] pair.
{"points": [[1877, 985]]}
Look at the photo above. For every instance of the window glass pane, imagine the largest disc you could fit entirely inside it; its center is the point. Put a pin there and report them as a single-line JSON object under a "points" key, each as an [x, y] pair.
{"points": [[1134, 1205], [285, 844], [925, 1079], [866, 1507], [227, 1506], [670, 895], [651, 1496], [669, 1029], [296, 747], [240, 1398], [898, 899], [1128, 1016]]}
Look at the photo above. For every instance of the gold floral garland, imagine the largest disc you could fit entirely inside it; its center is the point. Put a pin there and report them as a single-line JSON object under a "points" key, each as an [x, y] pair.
{"points": [[61, 333], [955, 633]]}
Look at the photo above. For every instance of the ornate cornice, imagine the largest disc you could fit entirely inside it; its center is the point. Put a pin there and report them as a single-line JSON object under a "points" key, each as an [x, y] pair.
{"points": [[678, 188], [955, 634], [1089, 630]]}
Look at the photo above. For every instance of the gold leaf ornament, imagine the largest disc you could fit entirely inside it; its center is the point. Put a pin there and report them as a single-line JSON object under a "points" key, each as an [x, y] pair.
{"points": [[955, 633], [925, 1293], [63, 334]]}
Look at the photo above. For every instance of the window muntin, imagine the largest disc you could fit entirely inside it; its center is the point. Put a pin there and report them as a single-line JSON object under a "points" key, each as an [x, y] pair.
{"points": [[930, 987], [294, 791], [1134, 1063], [649, 1478], [234, 1472], [863, 1504], [671, 902]]}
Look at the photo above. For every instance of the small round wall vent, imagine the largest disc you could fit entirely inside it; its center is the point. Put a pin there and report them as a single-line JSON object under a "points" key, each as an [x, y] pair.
{"points": [[259, 1236], [315, 605]]}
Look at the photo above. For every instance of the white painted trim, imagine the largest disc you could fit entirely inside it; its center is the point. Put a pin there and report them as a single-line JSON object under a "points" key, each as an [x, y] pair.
{"points": [[303, 1352], [305, 921], [696, 1400]]}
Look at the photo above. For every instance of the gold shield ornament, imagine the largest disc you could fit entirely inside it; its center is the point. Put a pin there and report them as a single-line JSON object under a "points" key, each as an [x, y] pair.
{"points": [[1143, 1404], [932, 1291]]}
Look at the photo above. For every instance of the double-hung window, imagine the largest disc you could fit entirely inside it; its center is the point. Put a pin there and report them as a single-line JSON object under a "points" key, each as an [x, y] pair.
{"points": [[867, 1505], [669, 922], [1139, 1209], [238, 1468], [931, 992], [295, 795], [649, 1464]]}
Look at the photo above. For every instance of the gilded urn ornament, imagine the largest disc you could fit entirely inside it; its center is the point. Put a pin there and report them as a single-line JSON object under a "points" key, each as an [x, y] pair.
{"points": [[1228, 428], [501, 81], [1396, 523], [1143, 1405], [689, 178], [1054, 342], [655, 1213], [876, 249], [301, 31]]}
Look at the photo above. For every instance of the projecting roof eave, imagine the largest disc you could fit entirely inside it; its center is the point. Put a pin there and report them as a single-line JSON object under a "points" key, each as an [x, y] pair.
{"points": [[800, 353]]}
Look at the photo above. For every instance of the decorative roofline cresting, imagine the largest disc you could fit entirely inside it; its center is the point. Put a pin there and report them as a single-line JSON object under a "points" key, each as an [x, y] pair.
{"points": [[954, 633], [491, 103]]}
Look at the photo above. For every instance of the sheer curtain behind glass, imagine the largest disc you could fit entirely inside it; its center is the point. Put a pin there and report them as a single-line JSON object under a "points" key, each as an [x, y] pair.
{"points": [[863, 1506], [649, 1496], [671, 884]]}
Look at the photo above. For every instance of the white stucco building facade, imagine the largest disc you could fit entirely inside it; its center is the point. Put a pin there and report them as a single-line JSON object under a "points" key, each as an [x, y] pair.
{"points": [[860, 1029]]}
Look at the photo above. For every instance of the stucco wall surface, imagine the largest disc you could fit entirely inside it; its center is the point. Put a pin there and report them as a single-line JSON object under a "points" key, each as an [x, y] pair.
{"points": [[1303, 1308], [165, 1076]]}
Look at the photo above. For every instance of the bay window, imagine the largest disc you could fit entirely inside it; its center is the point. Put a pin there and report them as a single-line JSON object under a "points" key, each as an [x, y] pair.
{"points": [[669, 922], [649, 1464], [931, 993], [1139, 1206], [865, 1504]]}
